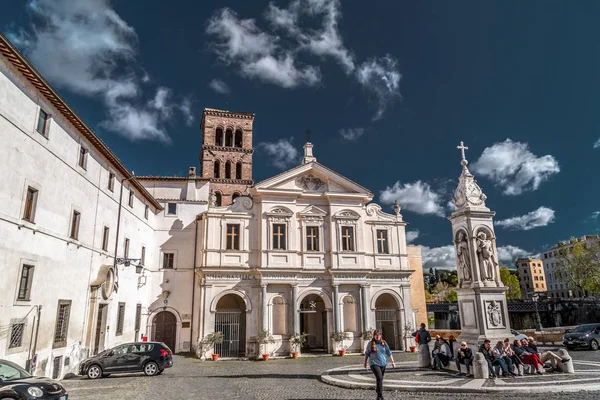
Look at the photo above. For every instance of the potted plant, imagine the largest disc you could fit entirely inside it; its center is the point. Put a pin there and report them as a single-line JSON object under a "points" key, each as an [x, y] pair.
{"points": [[211, 340], [338, 338], [297, 340], [263, 338], [408, 331]]}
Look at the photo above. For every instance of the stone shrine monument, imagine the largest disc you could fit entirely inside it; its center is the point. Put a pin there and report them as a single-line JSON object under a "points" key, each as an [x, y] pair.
{"points": [[481, 294]]}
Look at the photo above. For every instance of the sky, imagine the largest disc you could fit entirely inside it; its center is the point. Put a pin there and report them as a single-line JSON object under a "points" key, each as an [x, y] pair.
{"points": [[388, 91]]}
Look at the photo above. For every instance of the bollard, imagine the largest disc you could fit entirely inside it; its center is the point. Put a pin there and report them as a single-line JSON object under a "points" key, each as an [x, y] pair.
{"points": [[480, 367], [424, 357], [568, 366]]}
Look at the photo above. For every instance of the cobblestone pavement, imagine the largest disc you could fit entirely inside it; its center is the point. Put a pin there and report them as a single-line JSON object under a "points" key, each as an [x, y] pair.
{"points": [[275, 379]]}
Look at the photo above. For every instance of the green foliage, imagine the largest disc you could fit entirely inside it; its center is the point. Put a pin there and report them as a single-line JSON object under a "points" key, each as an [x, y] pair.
{"points": [[512, 283], [212, 338], [298, 339], [452, 296], [578, 264], [444, 292], [339, 337]]}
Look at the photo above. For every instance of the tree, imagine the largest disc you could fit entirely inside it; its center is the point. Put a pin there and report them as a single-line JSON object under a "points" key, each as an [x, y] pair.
{"points": [[444, 292], [512, 283], [578, 264]]}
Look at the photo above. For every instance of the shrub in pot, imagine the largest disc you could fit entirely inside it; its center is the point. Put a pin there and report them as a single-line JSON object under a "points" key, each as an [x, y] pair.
{"points": [[297, 340], [211, 340], [338, 338], [264, 338]]}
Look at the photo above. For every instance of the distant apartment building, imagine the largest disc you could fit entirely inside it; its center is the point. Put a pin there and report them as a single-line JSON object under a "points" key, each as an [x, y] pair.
{"points": [[531, 277], [557, 287]]}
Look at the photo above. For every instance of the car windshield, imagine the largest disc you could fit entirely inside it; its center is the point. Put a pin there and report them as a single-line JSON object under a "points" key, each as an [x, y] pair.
{"points": [[584, 328], [10, 371]]}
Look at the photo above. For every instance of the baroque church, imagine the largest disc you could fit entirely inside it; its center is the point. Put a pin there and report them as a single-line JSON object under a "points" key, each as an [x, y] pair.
{"points": [[94, 256]]}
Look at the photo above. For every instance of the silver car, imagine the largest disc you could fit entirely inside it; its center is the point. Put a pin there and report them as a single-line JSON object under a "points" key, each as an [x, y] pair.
{"points": [[583, 337]]}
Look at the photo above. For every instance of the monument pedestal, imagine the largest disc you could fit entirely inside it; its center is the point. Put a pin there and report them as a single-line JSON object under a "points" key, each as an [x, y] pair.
{"points": [[483, 315]]}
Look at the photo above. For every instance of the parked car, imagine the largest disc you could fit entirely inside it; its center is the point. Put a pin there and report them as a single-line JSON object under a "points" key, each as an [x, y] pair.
{"points": [[518, 335], [18, 384], [584, 336], [151, 358]]}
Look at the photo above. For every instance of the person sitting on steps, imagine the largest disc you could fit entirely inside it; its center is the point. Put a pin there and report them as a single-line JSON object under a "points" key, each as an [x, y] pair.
{"points": [[527, 357], [501, 356], [464, 355], [442, 355], [554, 358], [488, 354]]}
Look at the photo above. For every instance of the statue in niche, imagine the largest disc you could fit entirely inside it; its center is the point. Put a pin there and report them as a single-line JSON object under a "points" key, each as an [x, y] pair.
{"points": [[494, 314], [462, 256], [487, 259]]}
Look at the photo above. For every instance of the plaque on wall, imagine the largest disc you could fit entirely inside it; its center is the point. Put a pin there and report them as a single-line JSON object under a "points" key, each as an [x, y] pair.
{"points": [[185, 324]]}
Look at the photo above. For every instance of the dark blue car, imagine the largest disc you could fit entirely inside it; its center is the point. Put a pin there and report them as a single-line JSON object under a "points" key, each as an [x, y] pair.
{"points": [[586, 336], [18, 384]]}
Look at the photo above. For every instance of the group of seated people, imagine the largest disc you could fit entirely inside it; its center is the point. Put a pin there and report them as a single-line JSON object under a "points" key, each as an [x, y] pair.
{"points": [[510, 358]]}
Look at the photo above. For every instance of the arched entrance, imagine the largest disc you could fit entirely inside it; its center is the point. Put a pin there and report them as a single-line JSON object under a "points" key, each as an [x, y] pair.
{"points": [[387, 320], [230, 318], [164, 328], [313, 320]]}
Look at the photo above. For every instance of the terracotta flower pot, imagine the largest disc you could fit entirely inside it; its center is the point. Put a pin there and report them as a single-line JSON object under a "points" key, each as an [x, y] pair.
{"points": [[413, 349], [265, 357], [215, 357], [295, 354], [342, 353]]}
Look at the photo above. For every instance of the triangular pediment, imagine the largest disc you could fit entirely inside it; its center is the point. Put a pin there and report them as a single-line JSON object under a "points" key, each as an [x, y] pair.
{"points": [[312, 211], [312, 178]]}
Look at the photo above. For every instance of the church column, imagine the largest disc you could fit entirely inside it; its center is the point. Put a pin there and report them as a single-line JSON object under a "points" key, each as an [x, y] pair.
{"points": [[295, 309], [364, 307], [336, 308], [265, 323]]}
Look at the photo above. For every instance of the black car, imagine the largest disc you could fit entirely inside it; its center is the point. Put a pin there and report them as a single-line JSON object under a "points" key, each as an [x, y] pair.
{"points": [[150, 358], [17, 384], [584, 336]]}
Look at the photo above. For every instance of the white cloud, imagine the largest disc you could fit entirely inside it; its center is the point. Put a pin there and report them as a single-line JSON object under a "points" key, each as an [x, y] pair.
{"points": [[417, 197], [594, 216], [352, 133], [282, 71], [516, 169], [219, 86], [186, 109], [509, 254], [381, 78], [534, 219], [597, 143], [87, 48], [281, 154], [444, 256], [411, 236]]}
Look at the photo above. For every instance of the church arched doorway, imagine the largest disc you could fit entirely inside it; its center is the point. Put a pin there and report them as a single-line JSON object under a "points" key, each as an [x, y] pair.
{"points": [[387, 320], [313, 320], [230, 319], [164, 329]]}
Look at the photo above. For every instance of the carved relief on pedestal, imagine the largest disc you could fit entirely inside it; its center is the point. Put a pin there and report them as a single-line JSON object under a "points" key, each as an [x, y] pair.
{"points": [[463, 259], [494, 313], [487, 259]]}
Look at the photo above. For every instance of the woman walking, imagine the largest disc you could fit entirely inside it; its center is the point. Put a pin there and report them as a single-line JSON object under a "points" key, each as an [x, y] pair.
{"points": [[376, 353]]}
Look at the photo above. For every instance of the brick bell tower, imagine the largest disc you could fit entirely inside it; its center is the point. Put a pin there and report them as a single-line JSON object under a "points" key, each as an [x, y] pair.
{"points": [[226, 155]]}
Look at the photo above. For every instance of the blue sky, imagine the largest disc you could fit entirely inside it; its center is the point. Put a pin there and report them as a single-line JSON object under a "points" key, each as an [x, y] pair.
{"points": [[388, 91]]}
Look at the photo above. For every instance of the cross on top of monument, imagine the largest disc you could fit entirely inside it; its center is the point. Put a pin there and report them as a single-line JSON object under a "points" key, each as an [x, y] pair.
{"points": [[462, 149], [308, 136]]}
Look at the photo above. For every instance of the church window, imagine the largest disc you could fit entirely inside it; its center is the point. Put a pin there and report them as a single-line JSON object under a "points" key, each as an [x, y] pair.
{"points": [[312, 238], [126, 249], [228, 138], [238, 138], [172, 209], [30, 204], [131, 195], [83, 157], [25, 282], [228, 170], [279, 316], [238, 170], [382, 241], [235, 196], [219, 197], [143, 256], [279, 237], [347, 238], [168, 260], [111, 181], [42, 124], [233, 236], [75, 225], [217, 169], [105, 238], [146, 211], [62, 323], [349, 310], [219, 137], [120, 319]]}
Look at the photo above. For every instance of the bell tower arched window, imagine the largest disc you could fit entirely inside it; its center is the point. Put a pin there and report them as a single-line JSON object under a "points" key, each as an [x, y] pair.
{"points": [[238, 170], [217, 166], [228, 138], [238, 138], [228, 170], [219, 137], [219, 198], [235, 196]]}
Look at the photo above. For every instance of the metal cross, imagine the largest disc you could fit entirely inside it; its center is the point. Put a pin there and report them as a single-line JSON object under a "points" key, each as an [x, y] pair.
{"points": [[308, 136], [462, 149]]}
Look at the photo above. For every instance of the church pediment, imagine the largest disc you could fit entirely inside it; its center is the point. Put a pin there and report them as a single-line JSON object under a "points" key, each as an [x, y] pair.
{"points": [[312, 211]]}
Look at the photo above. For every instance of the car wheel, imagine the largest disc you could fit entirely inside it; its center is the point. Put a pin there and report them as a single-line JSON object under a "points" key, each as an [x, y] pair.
{"points": [[151, 368], [94, 372], [594, 345]]}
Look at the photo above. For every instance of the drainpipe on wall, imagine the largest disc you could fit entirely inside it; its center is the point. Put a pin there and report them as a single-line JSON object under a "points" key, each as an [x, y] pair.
{"points": [[37, 331], [194, 281]]}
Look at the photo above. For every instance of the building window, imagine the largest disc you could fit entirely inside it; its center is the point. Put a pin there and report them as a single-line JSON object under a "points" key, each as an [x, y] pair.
{"points": [[217, 169], [349, 310], [143, 256], [238, 170], [238, 138], [312, 238], [219, 198], [17, 332], [235, 196], [527, 285], [219, 137], [168, 260], [138, 318], [279, 316], [172, 209], [126, 249], [279, 237], [545, 255], [347, 238], [228, 138], [62, 323], [146, 211], [120, 319], [535, 278], [537, 286], [233, 236], [42, 124], [228, 170], [541, 278], [82, 157], [131, 195], [382, 241], [75, 225], [111, 181], [30, 204], [25, 282], [105, 238]]}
